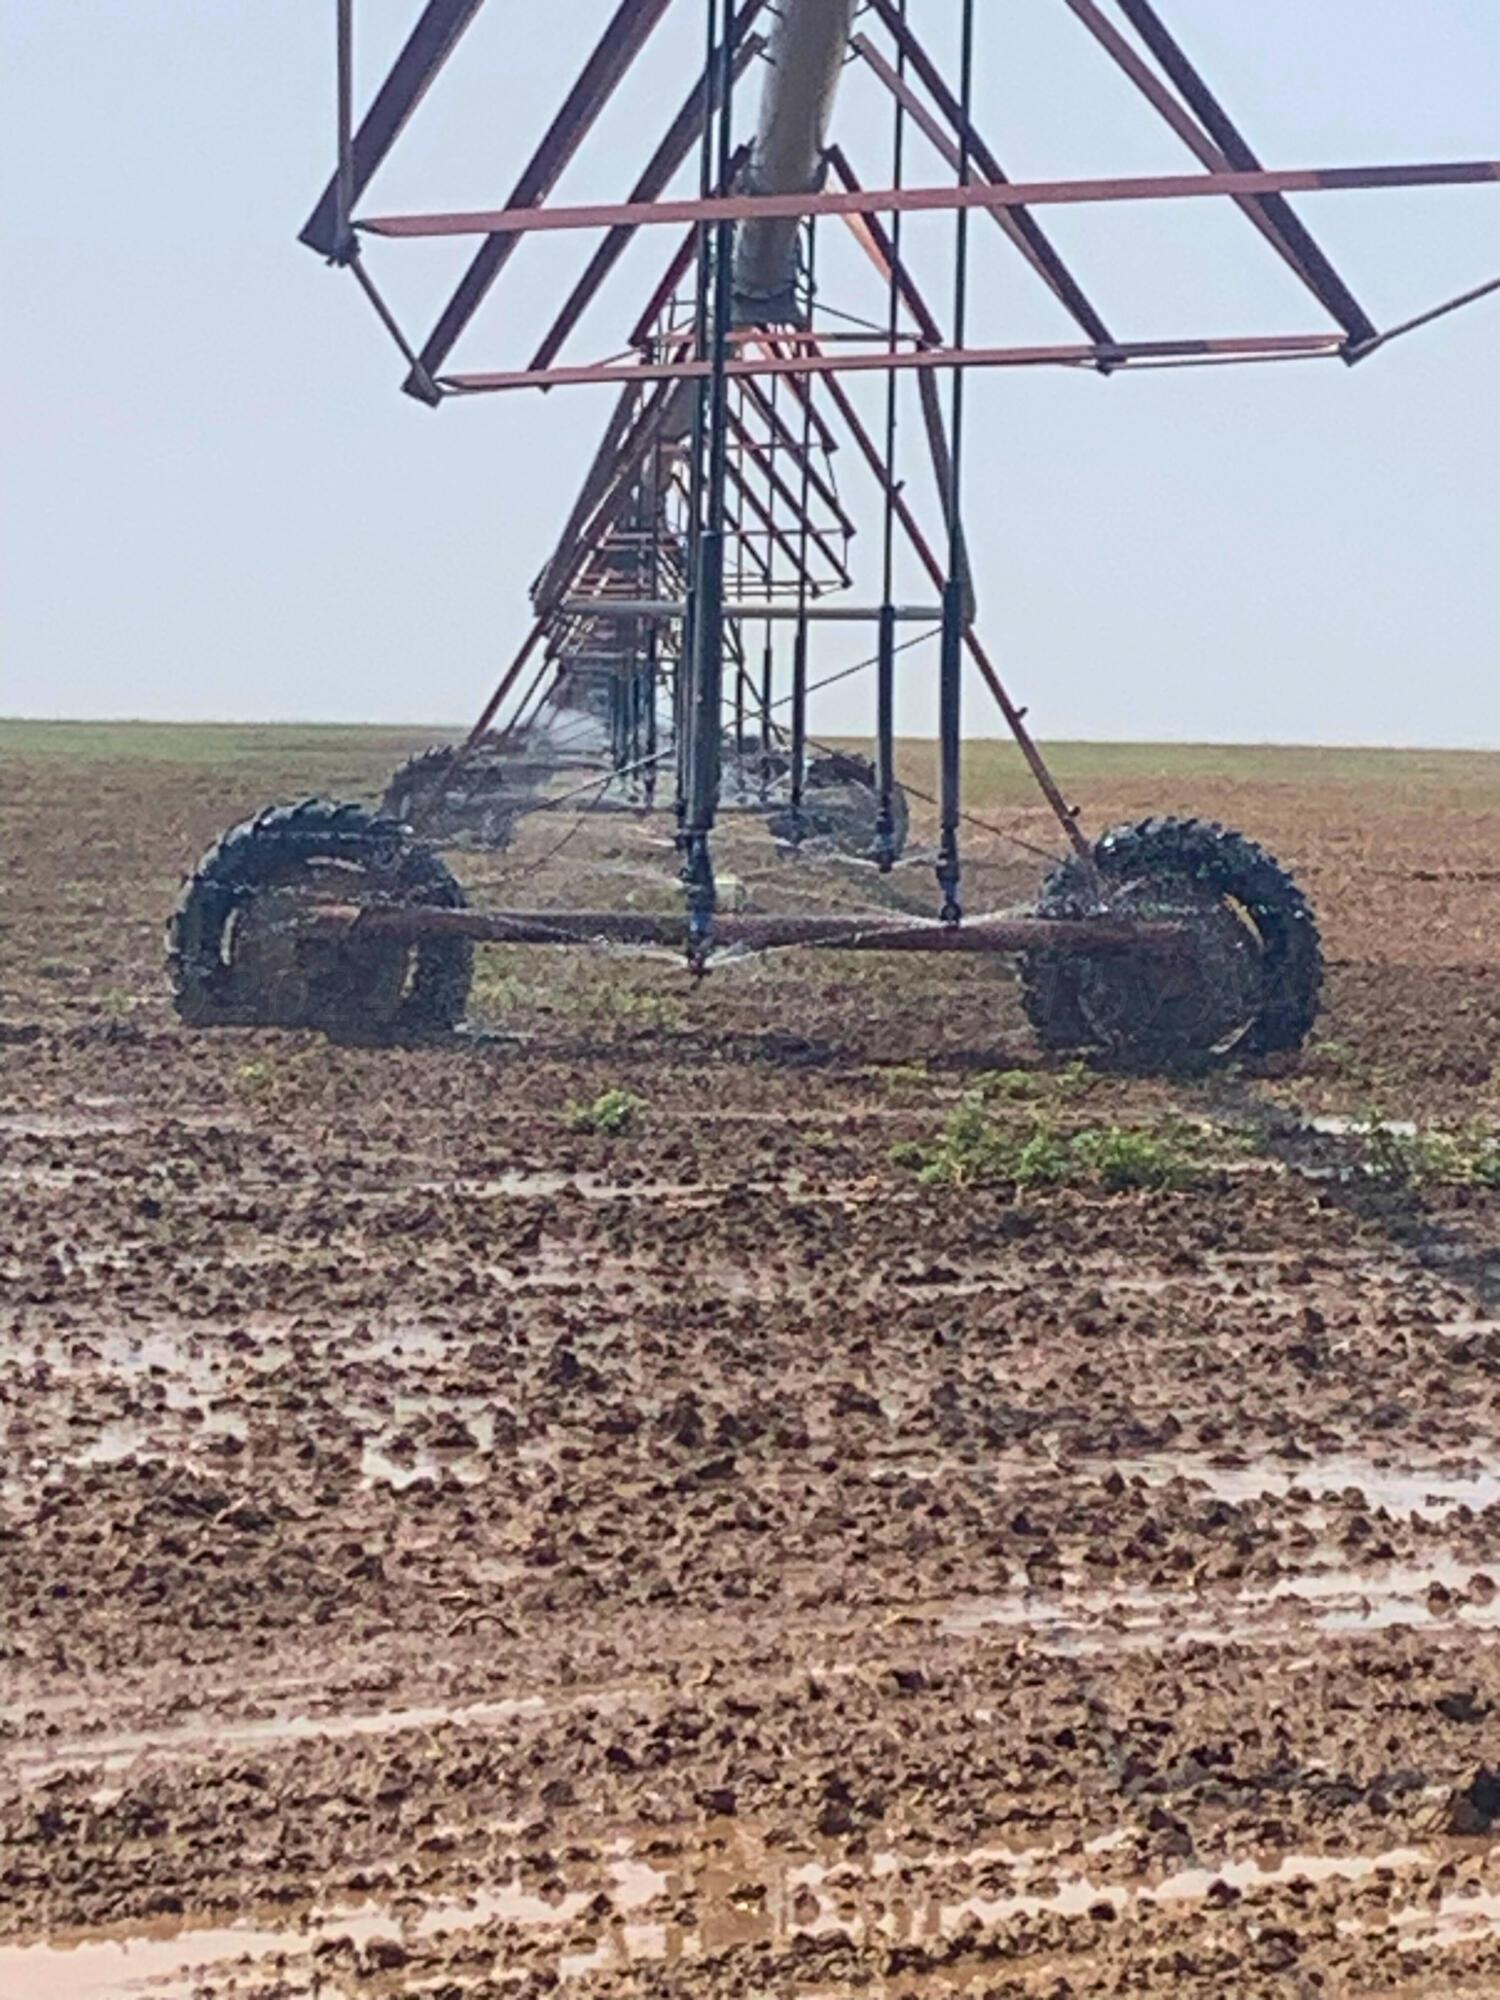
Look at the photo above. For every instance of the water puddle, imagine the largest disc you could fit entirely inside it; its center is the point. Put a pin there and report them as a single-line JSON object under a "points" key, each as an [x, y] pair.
{"points": [[109, 1117], [153, 1437], [93, 1967], [95, 1117], [162, 1960], [181, 1430], [1431, 1492], [1188, 1885], [178, 1392], [42, 1180], [430, 1436], [175, 1370], [1461, 1918], [586, 1185], [1422, 1492], [718, 1887], [378, 1468], [1340, 1125], [1332, 1601], [206, 1737]]}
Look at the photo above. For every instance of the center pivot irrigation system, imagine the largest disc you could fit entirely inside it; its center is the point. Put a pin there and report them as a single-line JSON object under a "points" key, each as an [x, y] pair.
{"points": [[669, 657]]}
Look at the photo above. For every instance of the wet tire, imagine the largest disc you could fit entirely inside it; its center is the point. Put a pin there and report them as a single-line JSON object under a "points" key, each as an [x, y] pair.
{"points": [[241, 953], [840, 806], [473, 807], [1258, 948]]}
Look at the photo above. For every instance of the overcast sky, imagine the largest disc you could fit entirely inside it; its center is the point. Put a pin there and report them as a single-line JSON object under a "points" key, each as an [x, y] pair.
{"points": [[217, 503]]}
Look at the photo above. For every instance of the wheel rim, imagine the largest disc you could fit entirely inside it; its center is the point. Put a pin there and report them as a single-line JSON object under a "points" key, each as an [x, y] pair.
{"points": [[288, 973], [1201, 1001], [843, 816], [840, 816]]}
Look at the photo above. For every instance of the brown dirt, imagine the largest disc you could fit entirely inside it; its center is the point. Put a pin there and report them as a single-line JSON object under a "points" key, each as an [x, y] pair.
{"points": [[444, 1551]]}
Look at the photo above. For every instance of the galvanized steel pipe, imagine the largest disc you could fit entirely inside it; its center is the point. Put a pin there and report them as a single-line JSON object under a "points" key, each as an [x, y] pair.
{"points": [[806, 53]]}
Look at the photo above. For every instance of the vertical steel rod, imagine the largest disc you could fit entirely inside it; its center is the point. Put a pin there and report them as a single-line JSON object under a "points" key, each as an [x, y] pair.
{"points": [[885, 738], [655, 503], [885, 662], [685, 702], [1015, 716], [767, 659], [739, 715], [769, 403], [711, 635], [344, 176], [799, 644], [706, 668], [798, 745], [950, 684]]}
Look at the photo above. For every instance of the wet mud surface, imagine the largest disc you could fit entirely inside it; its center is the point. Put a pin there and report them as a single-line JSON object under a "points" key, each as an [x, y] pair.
{"points": [[446, 1551]]}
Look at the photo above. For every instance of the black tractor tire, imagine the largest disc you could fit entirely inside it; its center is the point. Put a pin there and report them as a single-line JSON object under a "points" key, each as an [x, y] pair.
{"points": [[840, 805], [331, 852], [419, 795], [1178, 867], [411, 782]]}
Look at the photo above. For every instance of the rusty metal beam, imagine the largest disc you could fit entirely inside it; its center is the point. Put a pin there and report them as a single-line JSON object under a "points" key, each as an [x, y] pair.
{"points": [[621, 456], [1024, 231], [681, 262], [764, 461], [1255, 346], [1421, 319], [1015, 716], [428, 47], [382, 310], [683, 258], [1290, 233], [503, 223], [686, 128], [788, 441], [601, 475], [777, 534], [507, 681], [951, 153], [765, 457], [881, 251], [763, 561], [818, 424], [622, 41], [1084, 936], [752, 610], [1156, 93], [873, 458]]}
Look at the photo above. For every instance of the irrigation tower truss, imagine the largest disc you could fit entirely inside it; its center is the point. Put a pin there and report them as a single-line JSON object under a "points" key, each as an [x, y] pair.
{"points": [[669, 653]]}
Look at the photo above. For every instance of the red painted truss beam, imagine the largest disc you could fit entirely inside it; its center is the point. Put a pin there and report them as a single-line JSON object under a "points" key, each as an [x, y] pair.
{"points": [[629, 30], [1253, 346], [508, 222]]}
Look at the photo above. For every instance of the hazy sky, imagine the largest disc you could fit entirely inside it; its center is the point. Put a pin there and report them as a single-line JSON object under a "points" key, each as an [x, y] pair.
{"points": [[218, 504]]}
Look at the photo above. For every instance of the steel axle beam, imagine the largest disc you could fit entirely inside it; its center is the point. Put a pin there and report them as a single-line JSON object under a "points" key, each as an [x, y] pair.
{"points": [[1085, 936]]}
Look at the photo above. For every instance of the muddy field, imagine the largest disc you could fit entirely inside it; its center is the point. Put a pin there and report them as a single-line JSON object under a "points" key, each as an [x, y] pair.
{"points": [[451, 1547]]}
